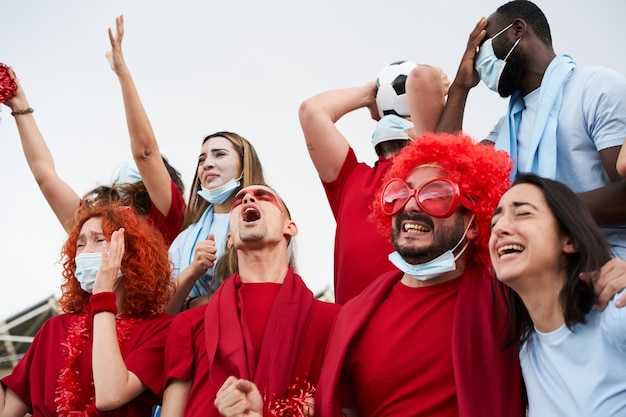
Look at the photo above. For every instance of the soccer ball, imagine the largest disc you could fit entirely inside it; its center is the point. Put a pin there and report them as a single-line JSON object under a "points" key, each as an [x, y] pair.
{"points": [[391, 94]]}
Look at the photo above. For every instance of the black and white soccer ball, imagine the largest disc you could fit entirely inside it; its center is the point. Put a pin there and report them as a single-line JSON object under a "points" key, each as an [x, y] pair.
{"points": [[391, 94]]}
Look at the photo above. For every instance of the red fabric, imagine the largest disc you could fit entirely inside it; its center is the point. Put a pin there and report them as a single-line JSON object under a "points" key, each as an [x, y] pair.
{"points": [[292, 348], [103, 301], [185, 351], [388, 362], [256, 303], [360, 249], [34, 378], [172, 224], [8, 86], [488, 379]]}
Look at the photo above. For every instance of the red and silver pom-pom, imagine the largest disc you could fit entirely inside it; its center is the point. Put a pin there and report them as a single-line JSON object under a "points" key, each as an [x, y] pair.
{"points": [[297, 403], [8, 87]]}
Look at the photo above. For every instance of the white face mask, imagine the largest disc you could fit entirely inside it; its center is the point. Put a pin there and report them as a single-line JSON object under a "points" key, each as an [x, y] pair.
{"points": [[488, 65], [445, 262], [220, 194], [87, 265]]}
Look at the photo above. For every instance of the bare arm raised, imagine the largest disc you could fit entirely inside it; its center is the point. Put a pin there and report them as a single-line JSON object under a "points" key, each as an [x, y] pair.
{"points": [[143, 144], [466, 79], [60, 196], [327, 146], [426, 88]]}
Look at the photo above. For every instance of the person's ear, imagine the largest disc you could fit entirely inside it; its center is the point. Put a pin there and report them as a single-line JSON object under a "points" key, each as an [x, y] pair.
{"points": [[229, 241], [569, 245], [290, 228], [472, 230], [519, 28]]}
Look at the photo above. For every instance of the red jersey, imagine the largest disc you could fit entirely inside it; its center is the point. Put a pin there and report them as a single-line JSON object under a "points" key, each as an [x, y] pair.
{"points": [[360, 249]]}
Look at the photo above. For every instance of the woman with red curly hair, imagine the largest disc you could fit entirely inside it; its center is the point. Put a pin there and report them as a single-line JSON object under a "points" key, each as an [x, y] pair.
{"points": [[105, 354]]}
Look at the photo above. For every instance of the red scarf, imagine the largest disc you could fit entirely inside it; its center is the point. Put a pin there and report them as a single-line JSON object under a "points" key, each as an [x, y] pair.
{"points": [[229, 345], [488, 378]]}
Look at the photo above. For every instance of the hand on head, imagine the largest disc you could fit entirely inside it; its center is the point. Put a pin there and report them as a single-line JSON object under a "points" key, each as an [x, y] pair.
{"points": [[445, 81], [466, 76], [372, 107], [112, 254]]}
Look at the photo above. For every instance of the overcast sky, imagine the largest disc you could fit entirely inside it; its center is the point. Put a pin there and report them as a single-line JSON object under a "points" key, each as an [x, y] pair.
{"points": [[245, 66]]}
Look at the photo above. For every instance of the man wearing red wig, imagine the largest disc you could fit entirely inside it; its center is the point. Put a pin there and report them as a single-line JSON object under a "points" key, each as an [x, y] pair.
{"points": [[426, 339], [350, 185]]}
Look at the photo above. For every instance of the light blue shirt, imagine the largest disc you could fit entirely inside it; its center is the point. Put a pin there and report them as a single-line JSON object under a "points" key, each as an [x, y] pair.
{"points": [[592, 118], [580, 372], [182, 249]]}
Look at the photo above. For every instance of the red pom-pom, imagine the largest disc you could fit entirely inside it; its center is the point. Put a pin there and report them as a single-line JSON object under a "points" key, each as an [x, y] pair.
{"points": [[8, 86], [298, 402]]}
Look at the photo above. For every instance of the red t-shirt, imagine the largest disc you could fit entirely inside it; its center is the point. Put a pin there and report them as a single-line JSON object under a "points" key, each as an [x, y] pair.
{"points": [[186, 354], [34, 378], [172, 224], [256, 302], [487, 376], [389, 364], [360, 249]]}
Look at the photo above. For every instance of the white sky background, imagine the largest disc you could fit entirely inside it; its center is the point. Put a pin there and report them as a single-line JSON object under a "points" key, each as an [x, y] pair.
{"points": [[201, 66]]}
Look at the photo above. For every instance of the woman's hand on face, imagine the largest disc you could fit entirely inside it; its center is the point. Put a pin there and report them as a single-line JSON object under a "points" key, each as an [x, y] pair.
{"points": [[112, 254]]}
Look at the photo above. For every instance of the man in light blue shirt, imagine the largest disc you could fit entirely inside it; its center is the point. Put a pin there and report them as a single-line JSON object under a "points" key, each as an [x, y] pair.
{"points": [[564, 122]]}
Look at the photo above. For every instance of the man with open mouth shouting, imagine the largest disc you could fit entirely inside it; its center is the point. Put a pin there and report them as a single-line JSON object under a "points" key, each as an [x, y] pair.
{"points": [[257, 346]]}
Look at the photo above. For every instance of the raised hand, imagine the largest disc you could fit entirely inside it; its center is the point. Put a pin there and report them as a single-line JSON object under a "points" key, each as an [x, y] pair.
{"points": [[115, 55], [205, 255]]}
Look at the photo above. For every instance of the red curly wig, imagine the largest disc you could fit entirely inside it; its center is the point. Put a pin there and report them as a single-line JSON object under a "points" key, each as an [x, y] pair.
{"points": [[145, 265], [481, 172]]}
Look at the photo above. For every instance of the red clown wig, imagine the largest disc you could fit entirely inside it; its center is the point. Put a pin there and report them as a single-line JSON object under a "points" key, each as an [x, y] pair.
{"points": [[145, 265], [481, 172]]}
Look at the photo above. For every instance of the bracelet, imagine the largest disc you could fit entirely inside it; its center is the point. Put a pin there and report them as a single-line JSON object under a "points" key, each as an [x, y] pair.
{"points": [[103, 301], [21, 112], [188, 303]]}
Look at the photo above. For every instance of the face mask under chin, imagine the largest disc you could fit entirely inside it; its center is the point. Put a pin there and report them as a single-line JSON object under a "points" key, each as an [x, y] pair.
{"points": [[445, 262], [220, 194]]}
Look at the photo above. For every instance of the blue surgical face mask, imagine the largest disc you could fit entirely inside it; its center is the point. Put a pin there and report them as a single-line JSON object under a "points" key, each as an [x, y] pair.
{"points": [[220, 194], [128, 173], [391, 127], [488, 65], [87, 265], [445, 262]]}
